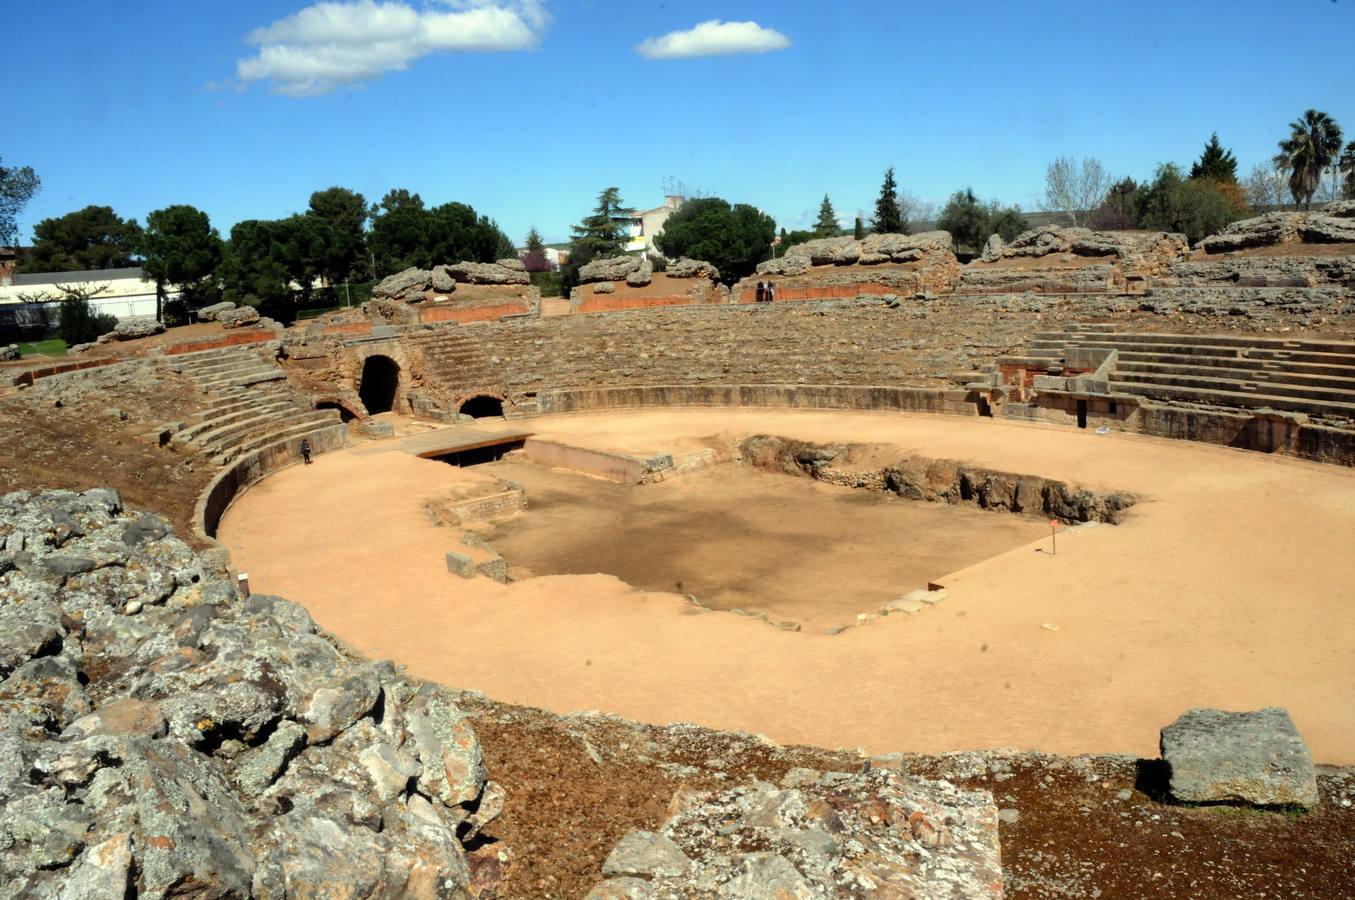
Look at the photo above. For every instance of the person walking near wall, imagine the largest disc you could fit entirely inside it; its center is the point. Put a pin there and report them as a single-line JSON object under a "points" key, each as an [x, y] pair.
{"points": [[306, 451], [761, 292], [771, 292]]}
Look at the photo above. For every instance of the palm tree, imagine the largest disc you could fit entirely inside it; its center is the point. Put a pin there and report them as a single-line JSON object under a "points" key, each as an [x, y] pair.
{"points": [[1347, 166], [1312, 146]]}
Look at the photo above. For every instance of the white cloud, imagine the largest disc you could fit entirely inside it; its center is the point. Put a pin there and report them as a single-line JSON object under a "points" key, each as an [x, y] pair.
{"points": [[714, 38], [330, 44]]}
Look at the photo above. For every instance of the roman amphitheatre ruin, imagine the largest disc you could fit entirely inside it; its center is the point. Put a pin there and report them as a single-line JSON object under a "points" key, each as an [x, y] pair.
{"points": [[997, 523]]}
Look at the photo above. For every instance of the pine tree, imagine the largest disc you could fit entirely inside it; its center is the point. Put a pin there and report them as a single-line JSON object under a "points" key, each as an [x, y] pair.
{"points": [[888, 219], [1215, 162], [603, 233], [859, 231], [535, 259], [827, 226]]}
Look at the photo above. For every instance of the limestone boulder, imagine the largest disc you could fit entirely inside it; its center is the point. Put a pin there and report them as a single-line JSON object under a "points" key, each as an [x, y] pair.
{"points": [[9, 352], [1340, 209], [642, 275], [512, 263], [612, 268], [1259, 231], [876, 833], [604, 287], [908, 247], [1239, 757], [827, 251], [209, 313], [692, 268], [442, 281], [238, 318], [786, 265], [487, 273], [133, 329], [403, 285], [992, 248], [1328, 229]]}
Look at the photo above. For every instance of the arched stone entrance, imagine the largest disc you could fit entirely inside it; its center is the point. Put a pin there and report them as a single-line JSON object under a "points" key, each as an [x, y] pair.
{"points": [[346, 413], [380, 379], [481, 406]]}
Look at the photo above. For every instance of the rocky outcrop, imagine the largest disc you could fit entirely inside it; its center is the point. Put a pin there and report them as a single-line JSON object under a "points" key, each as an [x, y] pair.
{"points": [[992, 248], [488, 273], [1331, 224], [1239, 757], [612, 268], [162, 736], [131, 330], [926, 260], [404, 285], [209, 313], [1136, 252], [9, 352], [238, 318], [841, 835], [642, 275], [683, 267]]}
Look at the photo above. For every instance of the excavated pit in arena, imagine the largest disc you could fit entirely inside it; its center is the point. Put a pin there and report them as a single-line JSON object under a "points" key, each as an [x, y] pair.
{"points": [[751, 537]]}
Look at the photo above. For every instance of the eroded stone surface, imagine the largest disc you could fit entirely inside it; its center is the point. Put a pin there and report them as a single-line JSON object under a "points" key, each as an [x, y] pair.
{"points": [[1247, 757], [873, 834], [206, 745]]}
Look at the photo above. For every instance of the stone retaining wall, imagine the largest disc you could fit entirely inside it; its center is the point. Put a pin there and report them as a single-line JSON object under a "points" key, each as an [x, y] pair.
{"points": [[251, 467], [789, 396]]}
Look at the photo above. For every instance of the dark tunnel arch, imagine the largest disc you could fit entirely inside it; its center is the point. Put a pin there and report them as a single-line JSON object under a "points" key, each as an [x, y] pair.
{"points": [[481, 406], [380, 379]]}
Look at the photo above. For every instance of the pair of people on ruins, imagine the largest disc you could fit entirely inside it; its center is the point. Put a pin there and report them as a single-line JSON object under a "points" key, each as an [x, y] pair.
{"points": [[766, 293]]}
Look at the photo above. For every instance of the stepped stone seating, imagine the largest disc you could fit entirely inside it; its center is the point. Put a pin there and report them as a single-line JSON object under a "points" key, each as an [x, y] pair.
{"points": [[1311, 377], [251, 405]]}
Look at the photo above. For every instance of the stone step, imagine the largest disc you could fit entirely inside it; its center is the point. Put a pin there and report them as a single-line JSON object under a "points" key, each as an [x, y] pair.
{"points": [[1316, 394], [1237, 399], [222, 366], [1270, 376], [203, 431], [258, 376], [1220, 340], [265, 423]]}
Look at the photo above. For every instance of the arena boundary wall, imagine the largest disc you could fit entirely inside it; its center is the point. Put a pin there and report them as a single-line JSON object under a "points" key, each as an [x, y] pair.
{"points": [[789, 396]]}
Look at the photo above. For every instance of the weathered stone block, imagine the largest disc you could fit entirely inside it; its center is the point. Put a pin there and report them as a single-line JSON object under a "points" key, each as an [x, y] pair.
{"points": [[1247, 757]]}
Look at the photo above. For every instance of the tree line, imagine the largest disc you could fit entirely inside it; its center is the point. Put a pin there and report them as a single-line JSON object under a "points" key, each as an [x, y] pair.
{"points": [[278, 265], [282, 264]]}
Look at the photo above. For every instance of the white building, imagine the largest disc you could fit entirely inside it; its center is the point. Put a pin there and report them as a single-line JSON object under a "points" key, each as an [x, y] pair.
{"points": [[644, 225], [32, 300]]}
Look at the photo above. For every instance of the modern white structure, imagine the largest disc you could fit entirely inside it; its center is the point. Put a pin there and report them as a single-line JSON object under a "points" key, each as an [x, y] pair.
{"points": [[122, 293], [644, 225]]}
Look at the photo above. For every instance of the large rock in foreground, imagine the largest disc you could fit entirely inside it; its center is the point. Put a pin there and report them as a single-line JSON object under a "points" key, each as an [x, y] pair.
{"points": [[161, 736], [1239, 757], [878, 834]]}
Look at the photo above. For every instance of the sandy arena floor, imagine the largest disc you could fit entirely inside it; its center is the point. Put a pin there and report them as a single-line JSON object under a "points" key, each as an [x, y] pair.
{"points": [[1228, 587]]}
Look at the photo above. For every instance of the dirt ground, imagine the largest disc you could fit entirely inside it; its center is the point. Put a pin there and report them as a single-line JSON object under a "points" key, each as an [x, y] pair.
{"points": [[1085, 827], [1227, 587], [738, 538], [102, 435], [1292, 249]]}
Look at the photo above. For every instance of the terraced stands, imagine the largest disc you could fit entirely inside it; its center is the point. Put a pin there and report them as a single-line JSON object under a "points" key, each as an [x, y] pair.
{"points": [[1313, 377], [252, 405], [453, 355]]}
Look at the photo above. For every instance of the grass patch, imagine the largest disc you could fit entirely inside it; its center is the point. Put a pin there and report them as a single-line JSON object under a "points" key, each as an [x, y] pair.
{"points": [[49, 347]]}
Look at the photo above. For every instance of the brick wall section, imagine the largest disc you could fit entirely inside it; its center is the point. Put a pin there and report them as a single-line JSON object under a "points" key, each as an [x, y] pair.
{"points": [[592, 303], [464, 314], [237, 339]]}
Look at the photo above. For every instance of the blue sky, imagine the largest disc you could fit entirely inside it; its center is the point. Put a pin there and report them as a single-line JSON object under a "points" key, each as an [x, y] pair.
{"points": [[140, 105]]}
